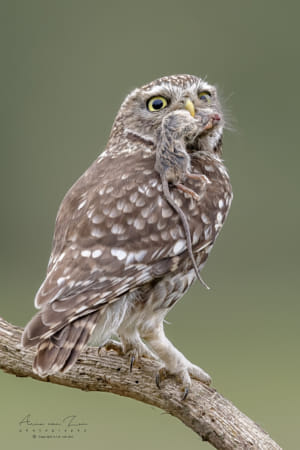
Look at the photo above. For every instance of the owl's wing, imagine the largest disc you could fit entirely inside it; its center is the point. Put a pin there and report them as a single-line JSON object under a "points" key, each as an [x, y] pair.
{"points": [[114, 232]]}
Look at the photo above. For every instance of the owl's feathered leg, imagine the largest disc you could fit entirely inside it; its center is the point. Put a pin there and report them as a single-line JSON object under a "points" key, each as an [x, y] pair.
{"points": [[133, 345], [174, 362]]}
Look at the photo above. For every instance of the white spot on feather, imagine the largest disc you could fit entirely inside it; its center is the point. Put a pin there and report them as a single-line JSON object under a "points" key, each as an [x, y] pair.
{"points": [[90, 212], [150, 192], [196, 235], [145, 212], [117, 229], [207, 232], [61, 281], [118, 253], [166, 212], [81, 205], [130, 258], [179, 246], [140, 202], [96, 232], [97, 253], [120, 204], [61, 257], [139, 256], [143, 189], [153, 182], [127, 208], [165, 236], [139, 224], [99, 302], [133, 197], [96, 219], [86, 253], [105, 294], [161, 225], [204, 218], [114, 213], [178, 201], [82, 308]]}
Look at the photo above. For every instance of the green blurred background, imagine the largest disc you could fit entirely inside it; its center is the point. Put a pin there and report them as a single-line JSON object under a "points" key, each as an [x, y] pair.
{"points": [[65, 68]]}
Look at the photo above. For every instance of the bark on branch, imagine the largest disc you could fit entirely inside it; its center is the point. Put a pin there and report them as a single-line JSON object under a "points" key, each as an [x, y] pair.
{"points": [[205, 411]]}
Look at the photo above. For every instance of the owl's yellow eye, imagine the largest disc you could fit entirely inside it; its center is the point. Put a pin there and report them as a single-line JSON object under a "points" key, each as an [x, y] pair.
{"points": [[205, 96], [157, 103]]}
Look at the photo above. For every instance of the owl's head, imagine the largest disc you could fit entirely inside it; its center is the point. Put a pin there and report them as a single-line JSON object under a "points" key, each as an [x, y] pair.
{"points": [[144, 109]]}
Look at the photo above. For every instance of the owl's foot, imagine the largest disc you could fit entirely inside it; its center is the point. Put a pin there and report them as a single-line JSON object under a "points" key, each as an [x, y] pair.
{"points": [[183, 377], [136, 350], [199, 374], [111, 345], [174, 363], [133, 350]]}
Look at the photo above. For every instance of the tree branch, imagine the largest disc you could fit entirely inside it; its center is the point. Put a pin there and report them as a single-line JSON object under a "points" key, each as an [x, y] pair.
{"points": [[205, 411]]}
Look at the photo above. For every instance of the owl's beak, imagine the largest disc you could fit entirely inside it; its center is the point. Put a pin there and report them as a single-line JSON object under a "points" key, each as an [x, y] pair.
{"points": [[189, 105]]}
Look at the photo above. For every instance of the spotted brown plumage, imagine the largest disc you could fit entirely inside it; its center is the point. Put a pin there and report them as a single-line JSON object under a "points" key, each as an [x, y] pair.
{"points": [[119, 259]]}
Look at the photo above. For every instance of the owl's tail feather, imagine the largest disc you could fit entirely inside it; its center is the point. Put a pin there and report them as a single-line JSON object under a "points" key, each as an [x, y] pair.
{"points": [[59, 352]]}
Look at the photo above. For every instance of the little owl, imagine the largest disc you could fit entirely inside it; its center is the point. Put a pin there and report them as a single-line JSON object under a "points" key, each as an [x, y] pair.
{"points": [[134, 232]]}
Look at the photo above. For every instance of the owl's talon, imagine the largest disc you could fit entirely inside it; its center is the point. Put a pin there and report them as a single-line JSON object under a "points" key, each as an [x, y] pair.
{"points": [[132, 359], [136, 352], [160, 376], [157, 380], [185, 394]]}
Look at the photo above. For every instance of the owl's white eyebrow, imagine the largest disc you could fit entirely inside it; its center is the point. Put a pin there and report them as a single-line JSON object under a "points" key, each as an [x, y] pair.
{"points": [[157, 90], [168, 91], [203, 86]]}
